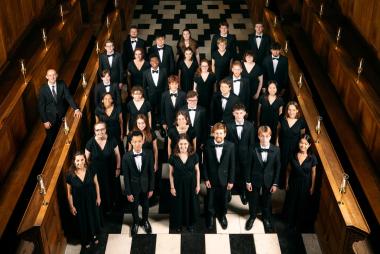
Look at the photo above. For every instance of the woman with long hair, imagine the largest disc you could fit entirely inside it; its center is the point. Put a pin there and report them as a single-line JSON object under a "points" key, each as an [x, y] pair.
{"points": [[204, 84], [186, 70], [186, 41]]}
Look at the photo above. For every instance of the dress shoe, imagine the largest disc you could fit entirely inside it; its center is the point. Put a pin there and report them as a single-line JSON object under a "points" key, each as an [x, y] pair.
{"points": [[243, 198], [147, 227], [223, 222], [210, 223], [229, 196], [134, 229], [249, 223], [268, 226]]}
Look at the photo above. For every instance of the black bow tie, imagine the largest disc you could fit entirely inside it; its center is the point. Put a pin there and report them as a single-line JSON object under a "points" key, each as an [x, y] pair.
{"points": [[263, 150], [237, 80], [239, 125], [275, 58], [133, 41], [160, 49], [137, 154], [219, 145], [110, 55], [173, 94], [192, 109], [259, 36], [107, 86], [224, 97], [153, 71]]}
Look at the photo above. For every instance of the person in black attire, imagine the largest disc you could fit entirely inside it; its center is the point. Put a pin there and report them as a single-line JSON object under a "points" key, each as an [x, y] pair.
{"points": [[138, 105], [219, 174], [131, 43], [113, 62], [84, 199], [204, 84], [165, 54], [259, 43], [263, 177], [184, 179], [300, 184], [139, 181], [240, 85], [171, 101], [222, 103], [136, 68], [275, 67], [155, 82], [221, 60], [186, 41], [106, 87], [186, 70], [231, 40], [51, 105], [242, 134]]}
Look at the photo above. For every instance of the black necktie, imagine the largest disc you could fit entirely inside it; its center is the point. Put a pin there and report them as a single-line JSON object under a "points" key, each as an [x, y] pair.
{"points": [[54, 92], [173, 94], [237, 80], [258, 36], [137, 154], [218, 145], [263, 150], [153, 71]]}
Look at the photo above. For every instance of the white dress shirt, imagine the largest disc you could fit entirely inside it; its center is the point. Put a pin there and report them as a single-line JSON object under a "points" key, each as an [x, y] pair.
{"points": [[107, 87], [173, 98], [192, 115], [258, 40], [224, 102], [275, 63], [160, 53], [218, 151], [236, 85], [53, 88], [239, 129], [264, 155], [138, 160], [134, 43], [110, 59], [155, 76]]}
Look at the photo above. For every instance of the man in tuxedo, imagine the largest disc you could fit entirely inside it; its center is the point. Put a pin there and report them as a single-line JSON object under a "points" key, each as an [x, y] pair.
{"points": [[222, 103], [263, 177], [259, 43], [231, 39], [139, 181], [165, 53], [106, 87], [131, 43], [275, 67], [113, 62], [51, 105], [240, 85], [242, 134], [171, 102], [219, 174], [155, 83]]}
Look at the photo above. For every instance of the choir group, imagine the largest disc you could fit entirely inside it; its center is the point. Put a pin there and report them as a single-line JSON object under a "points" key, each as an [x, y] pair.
{"points": [[227, 121]]}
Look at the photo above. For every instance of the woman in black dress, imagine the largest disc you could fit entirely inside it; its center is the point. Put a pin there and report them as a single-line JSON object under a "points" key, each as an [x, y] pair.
{"points": [[186, 70], [138, 105], [300, 183], [270, 109], [221, 60], [184, 179], [84, 199], [136, 67], [290, 128], [181, 126], [103, 153], [186, 41], [204, 84]]}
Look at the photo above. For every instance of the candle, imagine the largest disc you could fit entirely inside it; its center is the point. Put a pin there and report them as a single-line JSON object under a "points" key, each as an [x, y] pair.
{"points": [[300, 79], [41, 184], [97, 47], [23, 70], [84, 78], [321, 10], [275, 21], [43, 33], [115, 3], [107, 22], [319, 123], [267, 3], [361, 63], [338, 35], [61, 10]]}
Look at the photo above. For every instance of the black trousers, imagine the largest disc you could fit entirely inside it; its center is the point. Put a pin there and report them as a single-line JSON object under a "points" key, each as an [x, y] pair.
{"points": [[255, 200], [140, 199], [217, 200]]}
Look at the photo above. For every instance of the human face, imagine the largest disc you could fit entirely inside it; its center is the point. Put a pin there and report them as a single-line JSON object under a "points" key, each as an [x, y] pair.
{"points": [[173, 86], [137, 95], [106, 79], [51, 76], [188, 54], [264, 138], [100, 130], [79, 161], [236, 70], [225, 89], [107, 101], [259, 28], [138, 55], [133, 32], [303, 145], [219, 135], [292, 111], [181, 120], [223, 30], [137, 142], [160, 41], [192, 102], [183, 145], [275, 52], [109, 47], [239, 115], [140, 124], [154, 62], [249, 59], [272, 89], [186, 35], [222, 46], [204, 67]]}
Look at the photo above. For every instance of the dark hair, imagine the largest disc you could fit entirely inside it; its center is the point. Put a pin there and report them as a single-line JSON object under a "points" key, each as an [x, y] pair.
{"points": [[309, 140], [72, 167], [192, 43], [182, 113], [267, 92], [104, 95], [109, 41], [275, 46], [225, 81], [238, 106], [147, 131], [133, 27], [136, 134], [154, 56], [249, 53], [139, 89], [104, 73], [190, 149], [199, 70], [191, 94], [141, 50], [295, 104], [159, 35], [224, 23]]}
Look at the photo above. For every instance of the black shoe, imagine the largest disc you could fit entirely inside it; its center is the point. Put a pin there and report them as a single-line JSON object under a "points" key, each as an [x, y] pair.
{"points": [[229, 196], [243, 198], [134, 229], [147, 227], [223, 222], [249, 223], [210, 223], [268, 226]]}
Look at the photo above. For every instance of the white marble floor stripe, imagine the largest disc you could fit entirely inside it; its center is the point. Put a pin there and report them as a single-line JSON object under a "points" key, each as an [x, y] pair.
{"points": [[166, 243], [118, 243], [217, 243], [267, 244]]}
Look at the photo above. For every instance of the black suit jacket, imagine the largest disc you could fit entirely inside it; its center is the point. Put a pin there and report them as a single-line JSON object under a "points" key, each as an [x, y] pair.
{"points": [[281, 74], [223, 172], [266, 176], [135, 181], [117, 69], [100, 90], [168, 111], [167, 58], [263, 50], [200, 124], [217, 113], [51, 110], [244, 146], [245, 91], [231, 43], [152, 92], [128, 52]]}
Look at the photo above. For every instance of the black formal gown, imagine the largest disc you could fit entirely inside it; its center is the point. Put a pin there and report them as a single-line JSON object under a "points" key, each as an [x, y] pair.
{"points": [[205, 89], [222, 64], [297, 201], [173, 134], [84, 201], [136, 74], [187, 75], [253, 77], [185, 204], [104, 163], [133, 112], [269, 114]]}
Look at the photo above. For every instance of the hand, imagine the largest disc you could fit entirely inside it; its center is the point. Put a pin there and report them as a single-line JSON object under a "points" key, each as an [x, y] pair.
{"points": [[117, 172], [73, 210], [256, 96], [197, 189], [130, 198], [173, 192], [229, 186], [208, 184], [77, 113], [249, 187], [311, 190], [47, 125], [273, 189], [98, 201], [120, 85], [150, 194], [155, 166]]}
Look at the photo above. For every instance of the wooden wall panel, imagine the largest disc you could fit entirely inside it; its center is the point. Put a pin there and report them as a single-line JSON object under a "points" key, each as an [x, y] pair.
{"points": [[8, 151]]}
